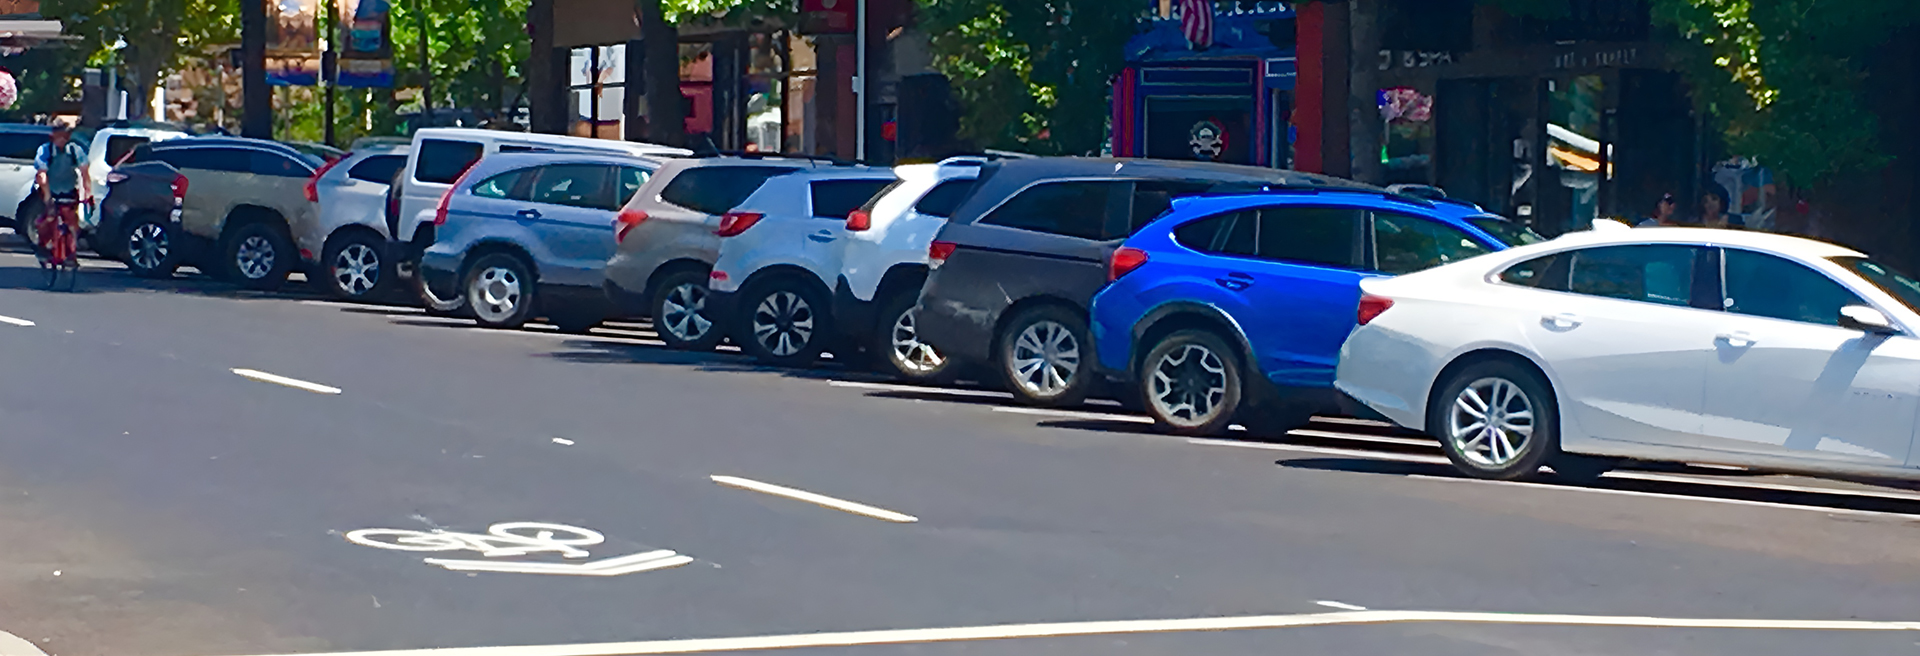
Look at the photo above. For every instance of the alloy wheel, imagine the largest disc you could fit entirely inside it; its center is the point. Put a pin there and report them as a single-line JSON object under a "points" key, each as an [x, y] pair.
{"points": [[496, 294], [682, 313], [255, 257], [1189, 385], [1045, 358], [147, 245], [783, 323], [912, 354], [356, 269], [1491, 422]]}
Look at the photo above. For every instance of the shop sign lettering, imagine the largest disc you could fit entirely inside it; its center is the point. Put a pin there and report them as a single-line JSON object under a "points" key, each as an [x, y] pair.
{"points": [[1390, 59], [1600, 59]]}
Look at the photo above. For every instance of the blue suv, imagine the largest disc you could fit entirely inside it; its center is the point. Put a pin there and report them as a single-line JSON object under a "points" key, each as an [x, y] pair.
{"points": [[1241, 301]]}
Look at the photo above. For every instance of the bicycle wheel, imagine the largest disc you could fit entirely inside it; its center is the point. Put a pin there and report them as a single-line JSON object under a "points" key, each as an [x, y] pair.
{"points": [[399, 539], [572, 536]]}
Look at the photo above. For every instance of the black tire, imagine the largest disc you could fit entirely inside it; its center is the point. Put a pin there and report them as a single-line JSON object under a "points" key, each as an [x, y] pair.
{"points": [[355, 266], [1502, 390], [679, 310], [1191, 383], [898, 351], [500, 291], [1579, 469], [257, 255], [783, 322], [150, 246], [1045, 356], [577, 318], [25, 218], [453, 308]]}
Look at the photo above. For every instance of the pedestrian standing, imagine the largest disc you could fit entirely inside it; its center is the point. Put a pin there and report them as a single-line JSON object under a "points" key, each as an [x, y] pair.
{"points": [[1713, 208], [1665, 212]]}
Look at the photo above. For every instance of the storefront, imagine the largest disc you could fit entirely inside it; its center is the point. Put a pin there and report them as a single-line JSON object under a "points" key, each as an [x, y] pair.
{"points": [[1213, 90]]}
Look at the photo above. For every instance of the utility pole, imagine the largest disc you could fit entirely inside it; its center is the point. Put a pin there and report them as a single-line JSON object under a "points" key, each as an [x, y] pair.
{"points": [[256, 97], [330, 68], [860, 81], [1367, 131], [426, 70]]}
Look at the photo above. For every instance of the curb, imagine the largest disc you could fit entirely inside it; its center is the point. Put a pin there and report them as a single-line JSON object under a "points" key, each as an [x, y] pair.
{"points": [[13, 645]]}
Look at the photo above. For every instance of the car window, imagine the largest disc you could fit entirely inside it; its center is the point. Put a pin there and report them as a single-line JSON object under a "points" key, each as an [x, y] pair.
{"points": [[631, 179], [835, 199], [1653, 273], [574, 185], [233, 160], [944, 198], [1151, 198], [378, 168], [1403, 243], [1508, 232], [504, 186], [717, 189], [1531, 273], [1774, 287], [442, 161], [275, 164], [21, 145], [1233, 233], [1313, 235], [1073, 209], [120, 145], [1889, 280]]}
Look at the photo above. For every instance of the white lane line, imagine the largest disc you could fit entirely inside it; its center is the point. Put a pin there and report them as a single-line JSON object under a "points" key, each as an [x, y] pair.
{"points": [[17, 322], [1353, 422], [1072, 414], [289, 382], [1757, 485], [1351, 437], [1686, 497], [13, 645], [1067, 629], [816, 499], [1351, 453], [1339, 605], [890, 387]]}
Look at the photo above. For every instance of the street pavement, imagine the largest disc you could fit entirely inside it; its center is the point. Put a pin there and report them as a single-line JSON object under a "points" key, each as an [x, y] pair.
{"points": [[156, 501]]}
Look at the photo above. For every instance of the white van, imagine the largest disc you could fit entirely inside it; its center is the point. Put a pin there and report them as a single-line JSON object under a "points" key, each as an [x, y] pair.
{"points": [[440, 155]]}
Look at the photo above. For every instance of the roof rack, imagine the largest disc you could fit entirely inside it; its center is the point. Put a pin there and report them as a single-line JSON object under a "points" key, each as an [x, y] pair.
{"points": [[1244, 188]]}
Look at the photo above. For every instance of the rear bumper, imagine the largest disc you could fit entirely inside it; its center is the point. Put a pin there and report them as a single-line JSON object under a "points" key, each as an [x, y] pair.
{"points": [[722, 308], [855, 317], [409, 251], [626, 302]]}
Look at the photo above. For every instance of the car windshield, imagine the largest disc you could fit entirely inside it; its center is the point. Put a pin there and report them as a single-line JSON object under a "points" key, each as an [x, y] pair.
{"points": [[1508, 232], [1894, 283]]}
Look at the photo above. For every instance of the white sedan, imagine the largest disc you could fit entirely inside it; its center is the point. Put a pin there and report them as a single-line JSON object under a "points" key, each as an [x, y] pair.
{"points": [[1671, 344]]}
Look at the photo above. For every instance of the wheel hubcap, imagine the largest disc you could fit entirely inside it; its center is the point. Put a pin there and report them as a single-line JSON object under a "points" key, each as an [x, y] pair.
{"points": [[356, 269], [1491, 422], [912, 354], [783, 323], [1189, 385], [255, 257], [147, 245], [682, 313], [1045, 357], [496, 293]]}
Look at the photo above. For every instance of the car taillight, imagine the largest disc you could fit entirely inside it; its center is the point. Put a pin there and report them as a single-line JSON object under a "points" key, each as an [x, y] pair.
{"points": [[1371, 306], [446, 198], [313, 183], [1124, 261], [179, 187], [939, 251], [734, 223], [859, 220], [628, 218]]}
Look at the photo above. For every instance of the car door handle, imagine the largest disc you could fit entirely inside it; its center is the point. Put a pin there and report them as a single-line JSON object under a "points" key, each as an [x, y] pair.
{"points": [[1235, 281], [1737, 339], [822, 236], [1562, 321], [528, 214]]}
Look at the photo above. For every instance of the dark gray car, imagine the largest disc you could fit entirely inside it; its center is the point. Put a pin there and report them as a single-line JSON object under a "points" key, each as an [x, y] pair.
{"points": [[1015, 268]]}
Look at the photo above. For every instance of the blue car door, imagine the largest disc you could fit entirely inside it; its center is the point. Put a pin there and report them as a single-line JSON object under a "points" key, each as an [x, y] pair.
{"points": [[1302, 288], [570, 213]]}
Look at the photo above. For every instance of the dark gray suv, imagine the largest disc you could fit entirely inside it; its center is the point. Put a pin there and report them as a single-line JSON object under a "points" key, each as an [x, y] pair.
{"points": [[1016, 266]]}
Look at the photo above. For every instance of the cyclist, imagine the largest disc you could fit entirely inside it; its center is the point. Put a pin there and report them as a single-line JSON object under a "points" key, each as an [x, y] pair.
{"points": [[61, 175]]}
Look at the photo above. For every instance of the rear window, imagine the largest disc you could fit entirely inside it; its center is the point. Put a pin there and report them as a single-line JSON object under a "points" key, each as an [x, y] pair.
{"points": [[835, 199], [275, 164], [21, 145], [716, 189], [1073, 209], [442, 161], [945, 198], [1508, 232], [235, 160], [378, 168], [119, 146]]}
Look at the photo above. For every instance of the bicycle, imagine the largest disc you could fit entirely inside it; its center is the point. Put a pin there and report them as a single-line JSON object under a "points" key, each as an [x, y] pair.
{"points": [[58, 244]]}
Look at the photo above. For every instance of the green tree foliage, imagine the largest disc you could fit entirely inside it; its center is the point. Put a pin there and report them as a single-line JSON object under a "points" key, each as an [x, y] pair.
{"points": [[474, 51], [157, 33]]}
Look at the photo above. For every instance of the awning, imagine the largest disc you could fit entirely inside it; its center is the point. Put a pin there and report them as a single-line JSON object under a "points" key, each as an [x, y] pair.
{"points": [[28, 33]]}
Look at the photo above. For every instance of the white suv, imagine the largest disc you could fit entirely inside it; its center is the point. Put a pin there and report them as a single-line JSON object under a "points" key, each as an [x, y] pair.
{"points": [[353, 263], [780, 251], [885, 261]]}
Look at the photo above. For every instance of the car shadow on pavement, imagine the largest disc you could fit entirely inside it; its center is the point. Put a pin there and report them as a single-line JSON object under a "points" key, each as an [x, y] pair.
{"points": [[118, 281]]}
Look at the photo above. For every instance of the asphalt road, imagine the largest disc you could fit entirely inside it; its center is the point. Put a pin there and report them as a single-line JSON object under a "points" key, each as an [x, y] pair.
{"points": [[154, 501]]}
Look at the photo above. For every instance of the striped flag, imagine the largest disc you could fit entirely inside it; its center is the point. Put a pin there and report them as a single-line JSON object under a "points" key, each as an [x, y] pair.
{"points": [[1196, 22]]}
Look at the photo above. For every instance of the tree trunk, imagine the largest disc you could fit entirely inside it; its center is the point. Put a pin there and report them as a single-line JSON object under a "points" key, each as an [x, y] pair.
{"points": [[666, 112], [1367, 132]]}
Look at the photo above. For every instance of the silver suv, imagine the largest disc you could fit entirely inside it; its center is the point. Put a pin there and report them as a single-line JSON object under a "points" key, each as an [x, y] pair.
{"points": [[667, 246]]}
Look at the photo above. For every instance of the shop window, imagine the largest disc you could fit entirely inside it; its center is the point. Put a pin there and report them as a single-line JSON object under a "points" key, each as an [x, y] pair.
{"points": [[1407, 154]]}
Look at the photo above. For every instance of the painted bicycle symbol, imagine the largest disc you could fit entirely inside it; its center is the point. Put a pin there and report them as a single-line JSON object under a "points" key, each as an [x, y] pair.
{"points": [[503, 539]]}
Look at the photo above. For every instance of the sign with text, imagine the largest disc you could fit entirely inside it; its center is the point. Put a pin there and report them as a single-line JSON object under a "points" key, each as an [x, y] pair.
{"points": [[366, 47]]}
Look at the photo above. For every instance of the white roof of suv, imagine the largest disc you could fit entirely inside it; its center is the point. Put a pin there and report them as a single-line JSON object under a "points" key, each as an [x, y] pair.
{"points": [[551, 140]]}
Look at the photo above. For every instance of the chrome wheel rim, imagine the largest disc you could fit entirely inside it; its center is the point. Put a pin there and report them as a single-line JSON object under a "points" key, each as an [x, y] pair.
{"points": [[1045, 358], [255, 257], [1491, 422], [913, 355], [356, 269], [1189, 386], [683, 313], [783, 323], [147, 245], [495, 293]]}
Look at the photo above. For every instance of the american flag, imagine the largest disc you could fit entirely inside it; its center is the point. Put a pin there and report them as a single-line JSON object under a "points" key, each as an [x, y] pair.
{"points": [[1196, 22]]}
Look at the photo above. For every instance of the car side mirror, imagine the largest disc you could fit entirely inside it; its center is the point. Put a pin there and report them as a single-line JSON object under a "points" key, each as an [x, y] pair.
{"points": [[1863, 318]]}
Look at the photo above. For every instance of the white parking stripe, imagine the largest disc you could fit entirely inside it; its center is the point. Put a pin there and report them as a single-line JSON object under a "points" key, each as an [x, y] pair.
{"points": [[922, 389], [289, 382], [1340, 605], [16, 322], [1067, 629], [1351, 453], [1073, 414], [1687, 497], [816, 499]]}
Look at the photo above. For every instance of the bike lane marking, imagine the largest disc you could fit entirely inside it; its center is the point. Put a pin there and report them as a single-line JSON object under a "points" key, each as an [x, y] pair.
{"points": [[816, 499], [295, 383], [517, 539], [23, 323], [13, 645]]}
